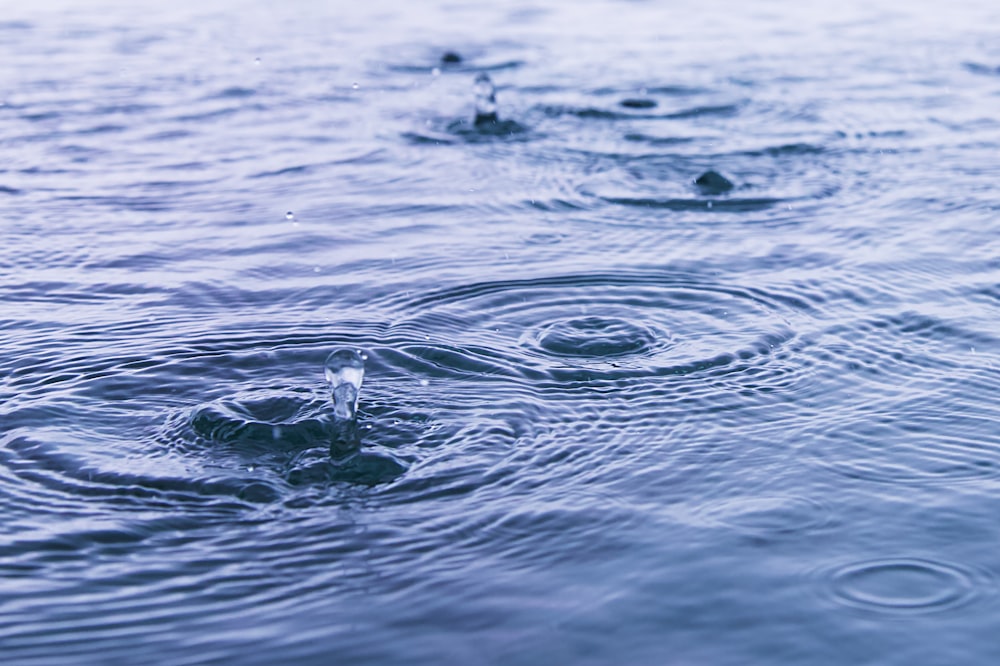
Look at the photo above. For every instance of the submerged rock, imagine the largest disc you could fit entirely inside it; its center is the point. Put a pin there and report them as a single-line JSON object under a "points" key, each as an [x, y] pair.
{"points": [[713, 182]]}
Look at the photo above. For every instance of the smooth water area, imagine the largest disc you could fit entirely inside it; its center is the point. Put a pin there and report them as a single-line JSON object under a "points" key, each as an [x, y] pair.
{"points": [[666, 334]]}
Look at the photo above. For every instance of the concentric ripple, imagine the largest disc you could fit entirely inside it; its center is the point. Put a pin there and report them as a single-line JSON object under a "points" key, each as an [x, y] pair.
{"points": [[594, 327], [905, 585], [597, 337], [912, 448]]}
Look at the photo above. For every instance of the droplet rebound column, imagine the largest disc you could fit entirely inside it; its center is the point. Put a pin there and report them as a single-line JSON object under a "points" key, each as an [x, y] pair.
{"points": [[345, 370], [486, 101]]}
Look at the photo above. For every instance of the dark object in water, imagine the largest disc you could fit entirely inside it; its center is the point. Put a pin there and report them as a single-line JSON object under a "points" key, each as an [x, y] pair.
{"points": [[638, 103], [486, 101], [450, 58], [713, 182]]}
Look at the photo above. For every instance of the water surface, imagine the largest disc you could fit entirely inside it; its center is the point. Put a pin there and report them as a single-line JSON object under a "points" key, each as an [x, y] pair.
{"points": [[610, 414]]}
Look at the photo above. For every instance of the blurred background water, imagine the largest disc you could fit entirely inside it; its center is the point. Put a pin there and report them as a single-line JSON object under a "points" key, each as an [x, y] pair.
{"points": [[609, 415]]}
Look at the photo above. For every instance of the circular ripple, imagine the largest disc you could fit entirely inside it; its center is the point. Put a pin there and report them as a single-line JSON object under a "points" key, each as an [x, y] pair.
{"points": [[611, 326], [597, 337], [904, 585]]}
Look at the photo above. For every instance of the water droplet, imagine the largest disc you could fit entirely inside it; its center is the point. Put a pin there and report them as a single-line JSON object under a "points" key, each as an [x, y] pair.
{"points": [[424, 382], [436, 72], [355, 86], [345, 370], [315, 269], [289, 215], [709, 204], [251, 468], [256, 61], [486, 100]]}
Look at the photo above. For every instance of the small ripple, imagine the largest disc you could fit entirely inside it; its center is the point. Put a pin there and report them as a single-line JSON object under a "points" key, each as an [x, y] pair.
{"points": [[597, 337], [910, 443], [588, 329], [905, 585], [766, 514]]}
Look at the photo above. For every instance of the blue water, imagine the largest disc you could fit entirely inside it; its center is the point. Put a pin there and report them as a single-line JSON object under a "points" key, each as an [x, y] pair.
{"points": [[609, 414]]}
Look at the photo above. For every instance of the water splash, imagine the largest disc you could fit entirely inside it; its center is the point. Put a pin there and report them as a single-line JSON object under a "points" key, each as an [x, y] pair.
{"points": [[345, 370], [486, 101]]}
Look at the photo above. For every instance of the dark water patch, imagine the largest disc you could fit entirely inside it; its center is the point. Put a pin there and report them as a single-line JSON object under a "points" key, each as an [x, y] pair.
{"points": [[102, 129], [233, 92], [790, 149], [721, 110], [638, 103], [597, 113], [126, 109], [212, 114], [120, 202], [42, 116], [730, 205], [299, 170], [657, 140], [980, 68], [678, 90], [172, 135], [4, 189]]}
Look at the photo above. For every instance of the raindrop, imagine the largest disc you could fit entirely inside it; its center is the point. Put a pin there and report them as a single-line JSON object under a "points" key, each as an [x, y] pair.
{"points": [[289, 215], [256, 61], [436, 72], [355, 86], [345, 369]]}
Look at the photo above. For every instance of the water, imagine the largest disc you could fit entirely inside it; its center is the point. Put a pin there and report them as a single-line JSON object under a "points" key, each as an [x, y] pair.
{"points": [[615, 409]]}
